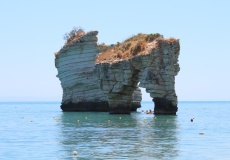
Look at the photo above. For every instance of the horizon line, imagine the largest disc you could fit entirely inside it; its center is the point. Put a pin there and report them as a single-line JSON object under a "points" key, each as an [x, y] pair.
{"points": [[56, 101]]}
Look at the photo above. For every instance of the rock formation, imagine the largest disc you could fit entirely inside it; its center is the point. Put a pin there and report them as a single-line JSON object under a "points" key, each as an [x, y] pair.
{"points": [[109, 81], [75, 63]]}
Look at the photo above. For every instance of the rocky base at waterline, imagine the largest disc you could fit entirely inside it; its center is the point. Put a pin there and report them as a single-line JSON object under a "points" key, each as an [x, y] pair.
{"points": [[93, 106], [109, 81], [86, 106], [163, 106]]}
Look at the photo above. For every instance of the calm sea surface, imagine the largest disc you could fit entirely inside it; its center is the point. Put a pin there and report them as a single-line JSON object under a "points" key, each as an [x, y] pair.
{"points": [[41, 131]]}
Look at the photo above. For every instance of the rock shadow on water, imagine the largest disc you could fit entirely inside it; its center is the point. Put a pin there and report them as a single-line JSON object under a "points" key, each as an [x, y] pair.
{"points": [[104, 136]]}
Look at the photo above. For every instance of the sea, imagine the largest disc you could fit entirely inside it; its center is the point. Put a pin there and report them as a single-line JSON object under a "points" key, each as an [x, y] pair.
{"points": [[41, 131]]}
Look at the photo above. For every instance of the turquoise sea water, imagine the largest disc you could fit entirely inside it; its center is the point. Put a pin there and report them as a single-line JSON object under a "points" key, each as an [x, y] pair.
{"points": [[40, 130]]}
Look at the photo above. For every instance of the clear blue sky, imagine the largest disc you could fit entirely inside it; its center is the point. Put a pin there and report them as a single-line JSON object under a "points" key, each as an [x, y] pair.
{"points": [[31, 31]]}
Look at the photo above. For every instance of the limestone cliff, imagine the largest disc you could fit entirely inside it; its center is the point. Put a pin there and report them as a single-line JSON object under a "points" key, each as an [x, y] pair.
{"points": [[108, 81], [75, 63]]}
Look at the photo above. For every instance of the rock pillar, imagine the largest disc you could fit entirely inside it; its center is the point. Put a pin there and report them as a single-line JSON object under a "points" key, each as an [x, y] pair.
{"points": [[164, 106]]}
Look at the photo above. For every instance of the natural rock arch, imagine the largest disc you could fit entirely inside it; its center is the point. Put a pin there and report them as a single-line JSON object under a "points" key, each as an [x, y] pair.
{"points": [[93, 84], [155, 71]]}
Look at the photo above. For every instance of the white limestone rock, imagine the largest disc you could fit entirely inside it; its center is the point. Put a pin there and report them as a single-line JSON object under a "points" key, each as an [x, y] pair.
{"points": [[75, 64]]}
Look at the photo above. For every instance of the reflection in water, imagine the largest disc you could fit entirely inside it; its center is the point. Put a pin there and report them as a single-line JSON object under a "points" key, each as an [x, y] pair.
{"points": [[104, 136], [160, 137]]}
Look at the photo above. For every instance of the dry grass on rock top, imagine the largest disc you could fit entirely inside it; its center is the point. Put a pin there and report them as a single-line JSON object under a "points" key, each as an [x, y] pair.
{"points": [[134, 46]]}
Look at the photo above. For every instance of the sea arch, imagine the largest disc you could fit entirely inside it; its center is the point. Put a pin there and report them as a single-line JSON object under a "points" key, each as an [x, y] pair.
{"points": [[155, 71]]}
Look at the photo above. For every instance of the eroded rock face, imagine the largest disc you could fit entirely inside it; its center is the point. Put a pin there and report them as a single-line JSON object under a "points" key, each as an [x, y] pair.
{"points": [[75, 63], [155, 70], [93, 84]]}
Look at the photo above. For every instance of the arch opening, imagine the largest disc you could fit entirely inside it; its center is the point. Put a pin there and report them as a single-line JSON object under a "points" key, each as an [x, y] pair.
{"points": [[146, 102]]}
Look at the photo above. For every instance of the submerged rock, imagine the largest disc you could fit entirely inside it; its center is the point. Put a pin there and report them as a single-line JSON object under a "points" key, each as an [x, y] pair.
{"points": [[109, 81]]}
